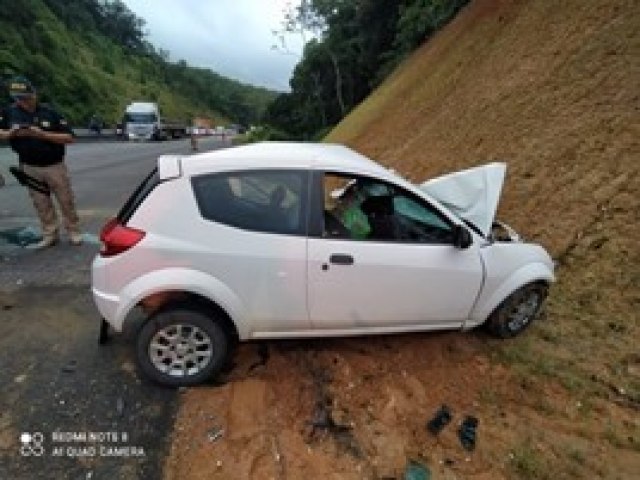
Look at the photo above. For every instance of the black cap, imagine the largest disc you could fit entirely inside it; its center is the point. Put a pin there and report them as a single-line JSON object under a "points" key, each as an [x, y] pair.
{"points": [[20, 87]]}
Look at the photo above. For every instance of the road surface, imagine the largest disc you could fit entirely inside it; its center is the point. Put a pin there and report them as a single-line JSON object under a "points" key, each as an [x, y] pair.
{"points": [[68, 408]]}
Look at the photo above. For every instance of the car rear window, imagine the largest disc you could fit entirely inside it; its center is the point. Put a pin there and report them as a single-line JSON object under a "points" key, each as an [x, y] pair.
{"points": [[138, 196], [262, 201]]}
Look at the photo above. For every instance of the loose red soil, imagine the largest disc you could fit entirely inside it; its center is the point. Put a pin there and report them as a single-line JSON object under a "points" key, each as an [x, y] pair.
{"points": [[552, 89]]}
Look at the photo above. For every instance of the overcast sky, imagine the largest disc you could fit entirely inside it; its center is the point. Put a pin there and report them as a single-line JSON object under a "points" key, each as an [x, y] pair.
{"points": [[231, 37]]}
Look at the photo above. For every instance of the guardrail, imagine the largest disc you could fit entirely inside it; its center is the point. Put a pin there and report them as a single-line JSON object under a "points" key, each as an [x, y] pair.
{"points": [[84, 134], [109, 134]]}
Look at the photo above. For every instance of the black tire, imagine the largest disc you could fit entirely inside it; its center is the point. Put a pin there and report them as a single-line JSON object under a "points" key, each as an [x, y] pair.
{"points": [[517, 311], [197, 333]]}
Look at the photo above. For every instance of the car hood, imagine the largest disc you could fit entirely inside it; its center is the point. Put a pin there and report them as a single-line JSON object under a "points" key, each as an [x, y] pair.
{"points": [[471, 194]]}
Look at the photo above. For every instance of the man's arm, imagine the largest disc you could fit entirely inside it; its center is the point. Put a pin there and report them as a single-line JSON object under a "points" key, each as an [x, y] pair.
{"points": [[6, 134], [62, 138], [36, 132], [59, 133]]}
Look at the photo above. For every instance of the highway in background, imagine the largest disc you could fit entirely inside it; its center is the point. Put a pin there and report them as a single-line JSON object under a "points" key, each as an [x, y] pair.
{"points": [[103, 175], [54, 376]]}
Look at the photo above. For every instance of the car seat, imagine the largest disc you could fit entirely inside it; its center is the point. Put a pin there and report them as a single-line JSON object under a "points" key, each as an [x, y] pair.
{"points": [[380, 213]]}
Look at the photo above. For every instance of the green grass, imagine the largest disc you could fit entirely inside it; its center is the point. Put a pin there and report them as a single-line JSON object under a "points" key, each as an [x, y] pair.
{"points": [[577, 455], [526, 462]]}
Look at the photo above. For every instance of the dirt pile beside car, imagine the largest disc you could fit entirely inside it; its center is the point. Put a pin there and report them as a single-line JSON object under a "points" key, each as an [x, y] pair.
{"points": [[551, 88]]}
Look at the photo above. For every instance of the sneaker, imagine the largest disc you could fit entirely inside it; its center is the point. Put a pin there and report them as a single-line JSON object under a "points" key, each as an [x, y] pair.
{"points": [[75, 238], [46, 242], [441, 418], [467, 432]]}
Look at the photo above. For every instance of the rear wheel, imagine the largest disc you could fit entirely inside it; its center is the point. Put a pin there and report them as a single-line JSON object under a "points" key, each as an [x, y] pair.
{"points": [[517, 311], [181, 346]]}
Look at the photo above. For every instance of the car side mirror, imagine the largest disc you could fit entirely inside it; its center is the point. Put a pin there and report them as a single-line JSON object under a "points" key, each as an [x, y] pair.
{"points": [[461, 237]]}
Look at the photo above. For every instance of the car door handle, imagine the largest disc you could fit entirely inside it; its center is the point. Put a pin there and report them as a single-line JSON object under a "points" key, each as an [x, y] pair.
{"points": [[341, 259]]}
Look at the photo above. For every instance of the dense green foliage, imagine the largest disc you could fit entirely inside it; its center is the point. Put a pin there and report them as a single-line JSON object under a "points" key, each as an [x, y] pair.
{"points": [[355, 45], [90, 57]]}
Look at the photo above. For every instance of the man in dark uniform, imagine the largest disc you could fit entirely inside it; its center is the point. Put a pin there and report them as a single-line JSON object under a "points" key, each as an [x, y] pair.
{"points": [[38, 134]]}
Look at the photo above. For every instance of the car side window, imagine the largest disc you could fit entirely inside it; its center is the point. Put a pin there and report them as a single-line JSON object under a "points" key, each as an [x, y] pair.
{"points": [[270, 201], [365, 209], [417, 222]]}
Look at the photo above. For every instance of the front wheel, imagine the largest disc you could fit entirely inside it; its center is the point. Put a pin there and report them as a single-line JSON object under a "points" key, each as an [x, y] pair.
{"points": [[181, 346], [517, 311]]}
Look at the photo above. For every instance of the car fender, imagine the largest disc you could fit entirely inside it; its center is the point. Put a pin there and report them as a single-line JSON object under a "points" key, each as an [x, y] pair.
{"points": [[489, 301], [184, 280]]}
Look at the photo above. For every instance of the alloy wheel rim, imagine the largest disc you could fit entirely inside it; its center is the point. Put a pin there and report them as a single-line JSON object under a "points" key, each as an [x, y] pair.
{"points": [[180, 350], [523, 311]]}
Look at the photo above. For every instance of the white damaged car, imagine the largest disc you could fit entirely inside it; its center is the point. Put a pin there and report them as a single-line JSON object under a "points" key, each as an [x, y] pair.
{"points": [[291, 240]]}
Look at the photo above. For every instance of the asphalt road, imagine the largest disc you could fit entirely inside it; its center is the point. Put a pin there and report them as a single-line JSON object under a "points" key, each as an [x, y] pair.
{"points": [[69, 408]]}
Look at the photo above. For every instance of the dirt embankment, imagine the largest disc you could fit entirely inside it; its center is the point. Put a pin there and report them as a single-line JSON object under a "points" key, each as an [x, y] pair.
{"points": [[552, 88]]}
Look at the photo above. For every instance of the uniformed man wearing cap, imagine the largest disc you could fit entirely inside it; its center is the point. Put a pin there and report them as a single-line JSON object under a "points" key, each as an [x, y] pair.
{"points": [[38, 134]]}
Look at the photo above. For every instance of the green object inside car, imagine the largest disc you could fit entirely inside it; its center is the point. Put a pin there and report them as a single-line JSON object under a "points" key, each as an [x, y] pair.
{"points": [[355, 221]]}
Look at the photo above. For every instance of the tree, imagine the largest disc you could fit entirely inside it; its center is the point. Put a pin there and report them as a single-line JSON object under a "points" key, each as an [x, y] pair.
{"points": [[310, 18], [350, 47]]}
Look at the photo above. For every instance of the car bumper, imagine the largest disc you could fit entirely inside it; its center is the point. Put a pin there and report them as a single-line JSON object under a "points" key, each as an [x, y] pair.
{"points": [[107, 302], [107, 305]]}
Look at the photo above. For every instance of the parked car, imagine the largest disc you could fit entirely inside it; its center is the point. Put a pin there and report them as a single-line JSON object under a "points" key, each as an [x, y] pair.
{"points": [[284, 240]]}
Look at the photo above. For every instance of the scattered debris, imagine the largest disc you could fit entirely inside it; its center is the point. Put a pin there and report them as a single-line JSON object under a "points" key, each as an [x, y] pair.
{"points": [[21, 236], [215, 434], [416, 471], [467, 432], [441, 418]]}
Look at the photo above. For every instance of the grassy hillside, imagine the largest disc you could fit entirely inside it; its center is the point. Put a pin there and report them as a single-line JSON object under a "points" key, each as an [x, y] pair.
{"points": [[552, 88], [85, 70]]}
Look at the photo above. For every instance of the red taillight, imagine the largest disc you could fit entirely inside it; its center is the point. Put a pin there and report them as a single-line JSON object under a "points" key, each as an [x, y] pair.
{"points": [[117, 238]]}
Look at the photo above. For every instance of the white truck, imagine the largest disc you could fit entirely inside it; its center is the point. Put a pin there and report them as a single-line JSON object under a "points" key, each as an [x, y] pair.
{"points": [[142, 121]]}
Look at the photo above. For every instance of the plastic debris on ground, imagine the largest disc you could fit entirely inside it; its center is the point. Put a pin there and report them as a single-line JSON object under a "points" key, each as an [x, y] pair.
{"points": [[21, 236], [416, 471]]}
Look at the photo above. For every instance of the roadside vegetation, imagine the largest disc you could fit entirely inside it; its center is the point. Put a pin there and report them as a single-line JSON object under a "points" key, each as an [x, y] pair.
{"points": [[90, 57], [351, 47]]}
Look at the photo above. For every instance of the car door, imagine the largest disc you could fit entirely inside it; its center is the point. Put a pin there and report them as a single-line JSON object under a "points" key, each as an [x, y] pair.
{"points": [[253, 231], [382, 257]]}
